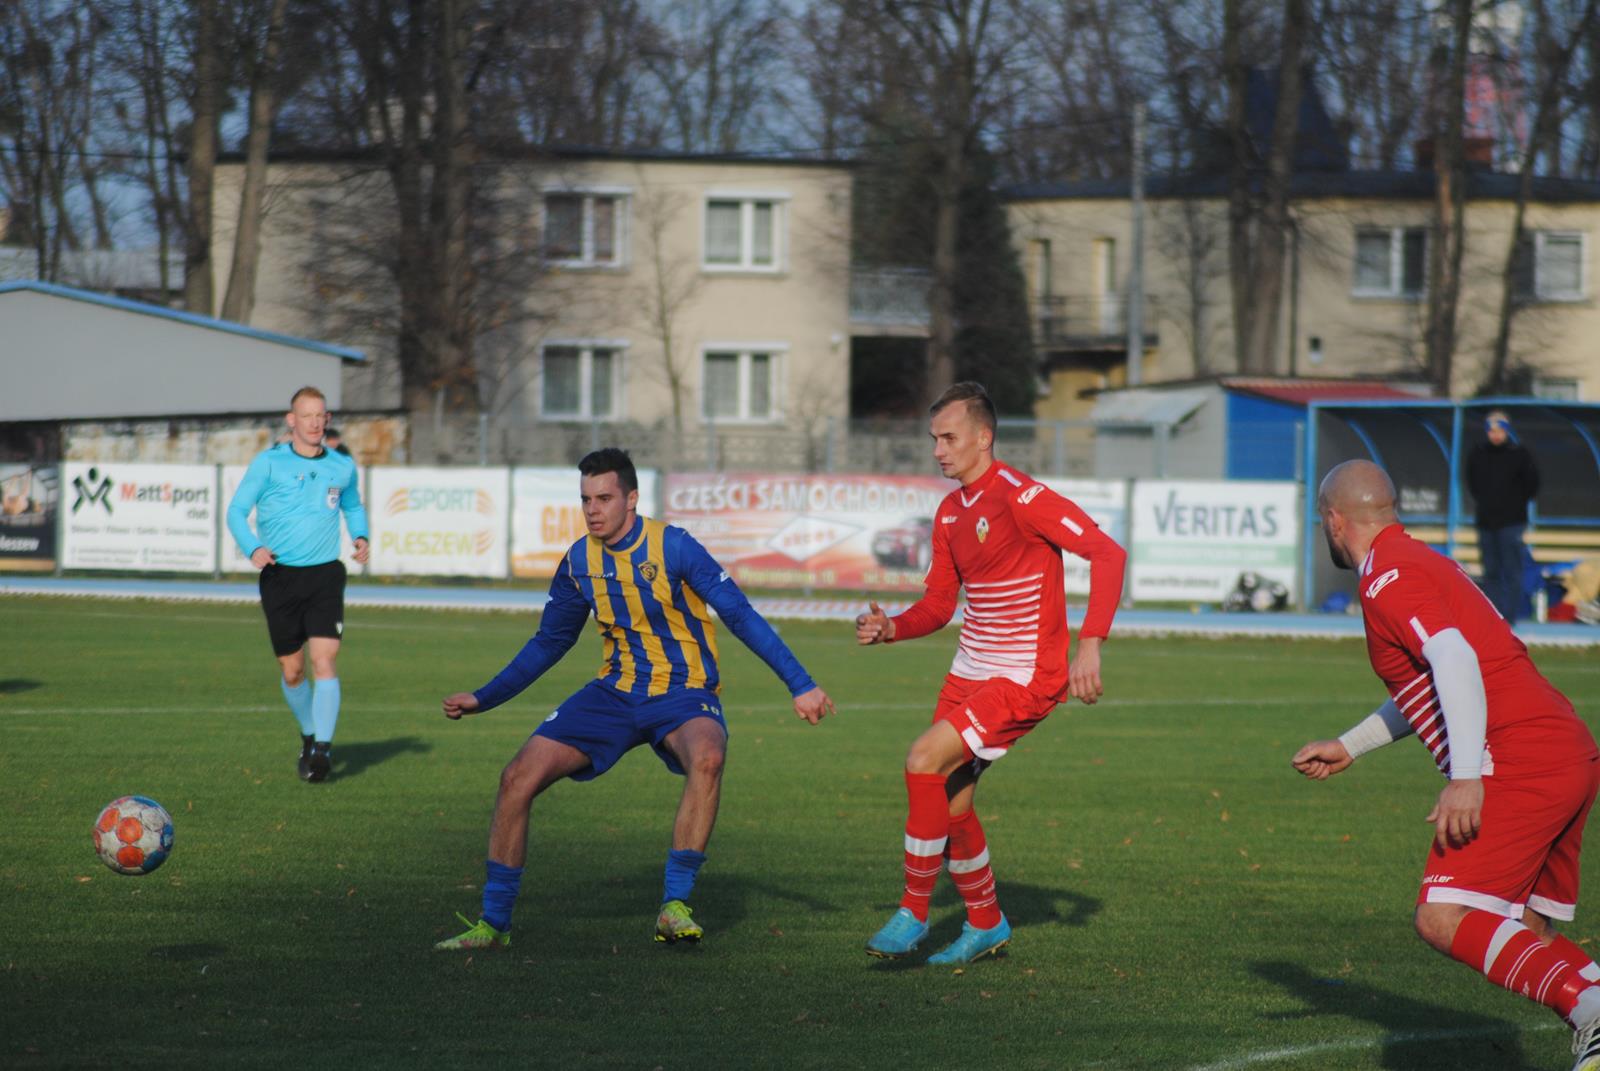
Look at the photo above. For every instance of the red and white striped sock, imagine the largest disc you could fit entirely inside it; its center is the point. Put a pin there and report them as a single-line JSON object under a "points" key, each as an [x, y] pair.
{"points": [[927, 832], [1576, 957], [969, 869], [1511, 956]]}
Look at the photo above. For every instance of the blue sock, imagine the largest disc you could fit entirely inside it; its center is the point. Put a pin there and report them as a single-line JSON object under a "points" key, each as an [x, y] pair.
{"points": [[299, 700], [325, 709], [682, 866], [500, 889]]}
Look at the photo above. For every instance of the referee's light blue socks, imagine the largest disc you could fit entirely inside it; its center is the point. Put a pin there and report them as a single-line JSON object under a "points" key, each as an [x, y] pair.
{"points": [[325, 709], [299, 700], [500, 893], [682, 866]]}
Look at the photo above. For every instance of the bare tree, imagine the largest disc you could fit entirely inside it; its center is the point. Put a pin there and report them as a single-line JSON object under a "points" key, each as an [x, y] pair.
{"points": [[1448, 232], [671, 280], [1555, 46], [240, 299], [205, 113], [1188, 234], [1259, 225]]}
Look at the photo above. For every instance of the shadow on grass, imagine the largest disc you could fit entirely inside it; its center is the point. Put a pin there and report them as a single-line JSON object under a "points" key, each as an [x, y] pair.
{"points": [[350, 759], [1417, 1034], [1024, 906], [13, 685], [184, 953]]}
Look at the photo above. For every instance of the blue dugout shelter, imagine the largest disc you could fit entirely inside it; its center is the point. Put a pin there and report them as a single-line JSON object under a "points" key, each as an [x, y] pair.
{"points": [[1423, 445]]}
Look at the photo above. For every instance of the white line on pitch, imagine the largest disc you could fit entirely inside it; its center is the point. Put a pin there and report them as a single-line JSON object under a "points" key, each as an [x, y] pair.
{"points": [[1407, 1037]]}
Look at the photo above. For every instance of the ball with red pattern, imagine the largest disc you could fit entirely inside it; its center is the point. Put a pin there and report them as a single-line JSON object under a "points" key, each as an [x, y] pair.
{"points": [[133, 835]]}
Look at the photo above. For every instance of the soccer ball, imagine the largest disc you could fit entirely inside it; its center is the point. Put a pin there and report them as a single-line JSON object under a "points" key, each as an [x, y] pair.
{"points": [[133, 835]]}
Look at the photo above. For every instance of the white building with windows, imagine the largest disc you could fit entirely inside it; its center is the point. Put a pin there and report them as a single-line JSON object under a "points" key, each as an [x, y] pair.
{"points": [[656, 290], [1355, 294]]}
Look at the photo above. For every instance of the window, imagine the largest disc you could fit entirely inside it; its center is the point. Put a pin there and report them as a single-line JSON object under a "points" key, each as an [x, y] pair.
{"points": [[579, 381], [740, 384], [584, 229], [1391, 262], [744, 233], [1550, 266]]}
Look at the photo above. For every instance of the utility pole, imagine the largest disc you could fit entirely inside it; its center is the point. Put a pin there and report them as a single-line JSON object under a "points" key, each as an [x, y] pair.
{"points": [[1136, 256]]}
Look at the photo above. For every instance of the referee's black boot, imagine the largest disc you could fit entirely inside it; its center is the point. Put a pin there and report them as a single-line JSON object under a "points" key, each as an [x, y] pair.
{"points": [[305, 757], [320, 762]]}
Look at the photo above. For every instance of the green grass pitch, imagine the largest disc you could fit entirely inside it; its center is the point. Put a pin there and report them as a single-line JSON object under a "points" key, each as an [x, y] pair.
{"points": [[1181, 899]]}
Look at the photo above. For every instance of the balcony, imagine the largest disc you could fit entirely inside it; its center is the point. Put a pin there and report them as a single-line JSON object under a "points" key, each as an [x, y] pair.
{"points": [[1087, 323]]}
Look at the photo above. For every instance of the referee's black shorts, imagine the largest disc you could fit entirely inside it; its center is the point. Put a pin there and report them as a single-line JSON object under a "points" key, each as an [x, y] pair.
{"points": [[302, 601]]}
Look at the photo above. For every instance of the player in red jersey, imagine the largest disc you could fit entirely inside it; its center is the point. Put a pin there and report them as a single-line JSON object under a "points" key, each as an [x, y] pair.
{"points": [[999, 536], [1523, 768]]}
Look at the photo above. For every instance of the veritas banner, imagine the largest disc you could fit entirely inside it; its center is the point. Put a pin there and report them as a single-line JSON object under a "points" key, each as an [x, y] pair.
{"points": [[29, 501], [122, 515], [548, 517], [842, 532], [234, 562], [439, 522], [1193, 539]]}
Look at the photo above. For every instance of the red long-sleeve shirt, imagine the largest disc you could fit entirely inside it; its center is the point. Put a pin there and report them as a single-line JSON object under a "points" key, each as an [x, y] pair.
{"points": [[1001, 538]]}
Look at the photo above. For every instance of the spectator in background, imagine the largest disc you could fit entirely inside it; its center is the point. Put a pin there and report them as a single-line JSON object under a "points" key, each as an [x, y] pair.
{"points": [[1503, 479], [334, 441]]}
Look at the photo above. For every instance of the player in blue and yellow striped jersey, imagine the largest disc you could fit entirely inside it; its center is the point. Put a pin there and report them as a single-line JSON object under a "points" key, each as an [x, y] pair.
{"points": [[651, 589]]}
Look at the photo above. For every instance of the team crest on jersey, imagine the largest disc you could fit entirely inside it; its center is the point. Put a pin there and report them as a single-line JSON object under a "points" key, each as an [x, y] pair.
{"points": [[1030, 494], [648, 571], [1382, 582], [983, 529]]}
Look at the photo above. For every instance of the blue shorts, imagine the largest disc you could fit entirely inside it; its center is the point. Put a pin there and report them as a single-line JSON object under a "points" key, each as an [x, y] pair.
{"points": [[606, 724]]}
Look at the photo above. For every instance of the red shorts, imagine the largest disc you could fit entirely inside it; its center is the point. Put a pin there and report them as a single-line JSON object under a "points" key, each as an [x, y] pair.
{"points": [[1526, 852], [990, 715]]}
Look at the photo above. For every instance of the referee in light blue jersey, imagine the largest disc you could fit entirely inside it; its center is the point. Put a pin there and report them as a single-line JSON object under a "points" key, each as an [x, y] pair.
{"points": [[298, 490], [650, 588]]}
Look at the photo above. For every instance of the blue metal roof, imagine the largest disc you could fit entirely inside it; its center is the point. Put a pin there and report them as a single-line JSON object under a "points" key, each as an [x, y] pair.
{"points": [[193, 319]]}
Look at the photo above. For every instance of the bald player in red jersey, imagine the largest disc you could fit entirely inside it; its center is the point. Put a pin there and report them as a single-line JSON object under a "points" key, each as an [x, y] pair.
{"points": [[1522, 767], [999, 536]]}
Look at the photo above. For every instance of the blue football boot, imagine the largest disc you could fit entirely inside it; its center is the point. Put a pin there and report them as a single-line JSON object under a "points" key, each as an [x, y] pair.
{"points": [[899, 936], [974, 943]]}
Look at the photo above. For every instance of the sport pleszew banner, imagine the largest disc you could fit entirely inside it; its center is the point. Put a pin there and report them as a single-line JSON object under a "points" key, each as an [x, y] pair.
{"points": [[123, 515], [1106, 503], [1193, 539], [439, 522], [29, 499], [234, 562], [845, 532], [547, 517]]}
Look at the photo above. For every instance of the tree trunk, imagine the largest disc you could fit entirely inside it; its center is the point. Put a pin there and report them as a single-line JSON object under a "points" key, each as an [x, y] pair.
{"points": [[941, 360], [1240, 201], [198, 288], [451, 328], [240, 300], [1449, 208]]}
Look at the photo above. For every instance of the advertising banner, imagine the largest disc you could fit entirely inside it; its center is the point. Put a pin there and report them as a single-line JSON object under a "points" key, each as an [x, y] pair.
{"points": [[29, 501], [439, 522], [840, 532], [1106, 501], [1192, 540], [234, 562], [548, 518], [122, 515]]}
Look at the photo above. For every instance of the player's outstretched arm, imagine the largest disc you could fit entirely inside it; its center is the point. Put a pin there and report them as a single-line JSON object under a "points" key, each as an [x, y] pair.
{"points": [[1321, 759], [460, 703], [874, 626], [814, 705]]}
